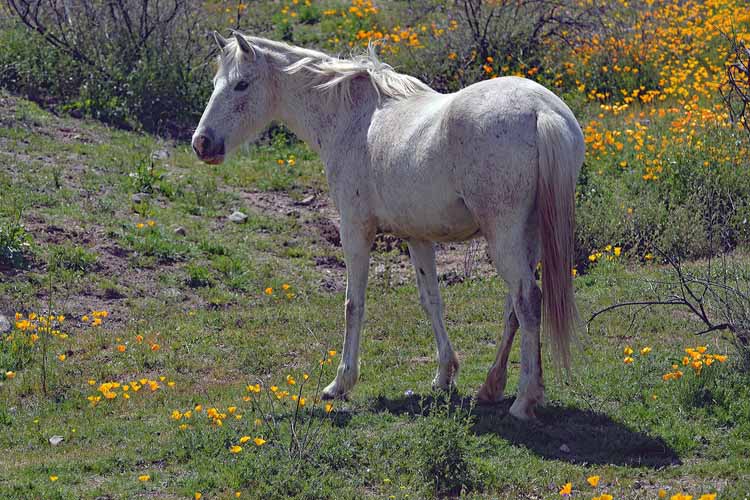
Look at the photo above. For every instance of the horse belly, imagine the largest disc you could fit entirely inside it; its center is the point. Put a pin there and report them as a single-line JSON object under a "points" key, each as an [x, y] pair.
{"points": [[429, 210]]}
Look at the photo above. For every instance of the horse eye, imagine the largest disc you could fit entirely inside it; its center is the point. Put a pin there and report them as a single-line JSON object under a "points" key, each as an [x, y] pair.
{"points": [[241, 86]]}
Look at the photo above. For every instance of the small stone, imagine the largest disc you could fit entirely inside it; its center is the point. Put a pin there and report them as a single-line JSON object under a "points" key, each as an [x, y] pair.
{"points": [[55, 440], [408, 393], [4, 324], [139, 197], [564, 448], [238, 217], [307, 200], [160, 154], [180, 231]]}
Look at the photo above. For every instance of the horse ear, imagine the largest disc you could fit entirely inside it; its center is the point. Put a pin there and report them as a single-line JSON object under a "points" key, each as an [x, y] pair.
{"points": [[243, 43], [220, 40]]}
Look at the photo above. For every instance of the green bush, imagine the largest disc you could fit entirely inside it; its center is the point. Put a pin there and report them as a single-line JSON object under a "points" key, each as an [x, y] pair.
{"points": [[153, 78], [14, 241], [441, 448], [73, 258]]}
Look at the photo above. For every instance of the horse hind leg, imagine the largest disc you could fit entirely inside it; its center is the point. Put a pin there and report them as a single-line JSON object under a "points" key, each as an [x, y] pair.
{"points": [[494, 386], [515, 262], [423, 258], [527, 302]]}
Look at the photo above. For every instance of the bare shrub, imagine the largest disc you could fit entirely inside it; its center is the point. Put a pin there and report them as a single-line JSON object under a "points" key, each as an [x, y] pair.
{"points": [[137, 63], [735, 91]]}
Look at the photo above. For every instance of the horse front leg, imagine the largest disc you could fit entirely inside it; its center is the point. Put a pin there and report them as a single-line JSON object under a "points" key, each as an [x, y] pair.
{"points": [[356, 240], [423, 257]]}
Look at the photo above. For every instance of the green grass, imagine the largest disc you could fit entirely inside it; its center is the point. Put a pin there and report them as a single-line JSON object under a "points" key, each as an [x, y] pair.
{"points": [[200, 297]]}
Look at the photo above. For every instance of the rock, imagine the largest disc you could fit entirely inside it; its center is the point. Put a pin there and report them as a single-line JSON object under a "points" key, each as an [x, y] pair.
{"points": [[55, 440], [5, 325], [306, 201], [564, 448], [160, 154], [172, 293], [180, 231], [238, 217], [139, 197]]}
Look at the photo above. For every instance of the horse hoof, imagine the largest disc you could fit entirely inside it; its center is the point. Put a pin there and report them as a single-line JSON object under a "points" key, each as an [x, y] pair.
{"points": [[333, 392], [449, 386], [523, 410], [486, 396]]}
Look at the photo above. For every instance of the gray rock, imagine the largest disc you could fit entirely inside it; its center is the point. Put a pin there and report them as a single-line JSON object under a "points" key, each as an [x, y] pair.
{"points": [[5, 325], [139, 197], [238, 217], [180, 231], [307, 201], [564, 448], [160, 154]]}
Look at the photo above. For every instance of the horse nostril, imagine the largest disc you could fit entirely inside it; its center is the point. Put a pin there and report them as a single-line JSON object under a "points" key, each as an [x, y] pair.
{"points": [[204, 144]]}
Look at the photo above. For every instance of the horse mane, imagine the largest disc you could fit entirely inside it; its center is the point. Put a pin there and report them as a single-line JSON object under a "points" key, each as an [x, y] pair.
{"points": [[335, 75]]}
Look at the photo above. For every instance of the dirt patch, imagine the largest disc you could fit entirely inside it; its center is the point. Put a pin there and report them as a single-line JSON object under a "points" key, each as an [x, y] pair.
{"points": [[315, 211]]}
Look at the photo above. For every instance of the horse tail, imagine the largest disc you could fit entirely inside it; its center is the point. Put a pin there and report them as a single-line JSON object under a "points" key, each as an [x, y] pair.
{"points": [[560, 159]]}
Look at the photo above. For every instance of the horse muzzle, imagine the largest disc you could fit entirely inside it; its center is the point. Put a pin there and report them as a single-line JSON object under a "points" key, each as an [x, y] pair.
{"points": [[208, 148]]}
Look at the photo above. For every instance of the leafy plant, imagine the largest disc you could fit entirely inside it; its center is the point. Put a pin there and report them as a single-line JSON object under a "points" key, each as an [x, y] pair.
{"points": [[15, 241], [442, 449]]}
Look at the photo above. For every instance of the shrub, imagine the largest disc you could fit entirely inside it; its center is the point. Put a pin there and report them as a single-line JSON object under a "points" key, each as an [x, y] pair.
{"points": [[133, 64], [14, 241], [442, 447], [73, 258]]}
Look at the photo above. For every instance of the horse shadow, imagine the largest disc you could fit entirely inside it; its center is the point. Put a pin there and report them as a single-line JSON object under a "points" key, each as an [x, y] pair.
{"points": [[561, 432]]}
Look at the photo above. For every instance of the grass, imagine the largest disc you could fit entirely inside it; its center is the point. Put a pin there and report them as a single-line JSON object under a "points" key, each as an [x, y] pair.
{"points": [[199, 294]]}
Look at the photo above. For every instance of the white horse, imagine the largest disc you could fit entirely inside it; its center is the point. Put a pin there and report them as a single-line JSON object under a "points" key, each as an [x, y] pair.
{"points": [[499, 158]]}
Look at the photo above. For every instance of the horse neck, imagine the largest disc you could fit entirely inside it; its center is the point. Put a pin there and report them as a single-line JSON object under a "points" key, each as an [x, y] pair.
{"points": [[316, 116]]}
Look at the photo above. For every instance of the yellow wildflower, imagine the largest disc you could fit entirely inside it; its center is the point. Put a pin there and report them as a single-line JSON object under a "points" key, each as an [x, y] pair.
{"points": [[259, 441], [566, 489], [235, 449], [593, 480], [144, 478]]}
